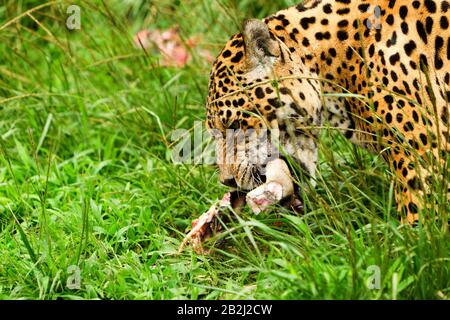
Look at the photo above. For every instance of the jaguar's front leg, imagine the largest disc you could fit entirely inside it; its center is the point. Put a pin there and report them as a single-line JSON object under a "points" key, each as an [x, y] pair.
{"points": [[278, 186]]}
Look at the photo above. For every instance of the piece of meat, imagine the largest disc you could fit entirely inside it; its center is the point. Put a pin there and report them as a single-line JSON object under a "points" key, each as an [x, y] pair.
{"points": [[174, 51], [207, 224], [279, 186]]}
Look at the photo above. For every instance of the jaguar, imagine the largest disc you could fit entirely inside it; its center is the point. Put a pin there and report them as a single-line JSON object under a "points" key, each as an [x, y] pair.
{"points": [[377, 71]]}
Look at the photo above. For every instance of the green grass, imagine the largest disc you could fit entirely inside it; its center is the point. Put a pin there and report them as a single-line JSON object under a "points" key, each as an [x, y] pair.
{"points": [[86, 177]]}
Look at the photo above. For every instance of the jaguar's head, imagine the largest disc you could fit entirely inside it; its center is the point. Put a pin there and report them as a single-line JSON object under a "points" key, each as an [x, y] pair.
{"points": [[258, 87]]}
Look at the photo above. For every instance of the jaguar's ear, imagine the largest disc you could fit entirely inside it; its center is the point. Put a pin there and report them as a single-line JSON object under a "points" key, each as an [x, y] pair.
{"points": [[259, 44]]}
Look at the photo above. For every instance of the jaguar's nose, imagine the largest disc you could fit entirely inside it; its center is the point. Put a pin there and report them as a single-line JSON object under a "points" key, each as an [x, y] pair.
{"points": [[229, 182]]}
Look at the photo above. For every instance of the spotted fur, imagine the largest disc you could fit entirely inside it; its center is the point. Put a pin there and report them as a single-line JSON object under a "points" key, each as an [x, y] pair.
{"points": [[284, 72]]}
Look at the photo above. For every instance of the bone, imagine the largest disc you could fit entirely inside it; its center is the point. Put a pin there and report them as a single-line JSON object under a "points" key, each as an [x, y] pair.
{"points": [[278, 186]]}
